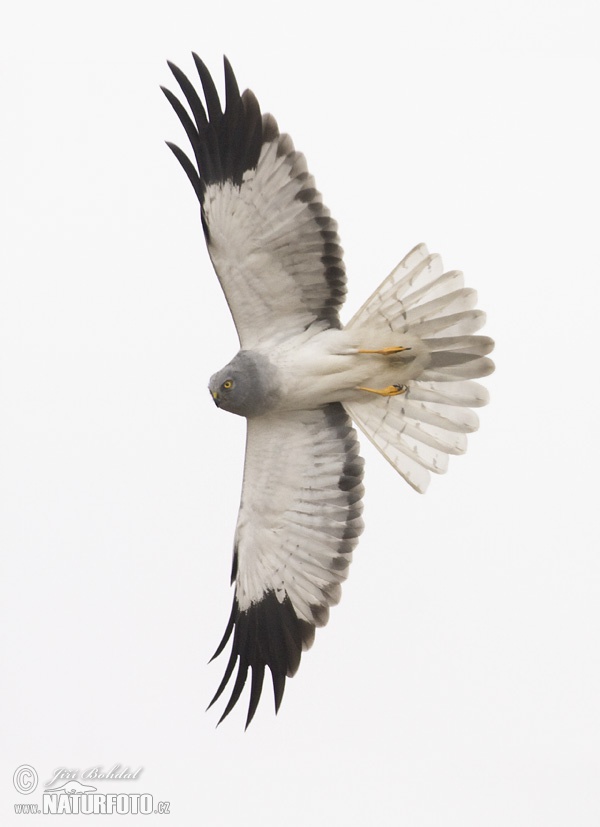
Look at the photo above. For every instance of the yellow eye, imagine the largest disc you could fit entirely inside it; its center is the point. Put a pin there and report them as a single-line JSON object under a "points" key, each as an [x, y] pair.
{"points": [[227, 384]]}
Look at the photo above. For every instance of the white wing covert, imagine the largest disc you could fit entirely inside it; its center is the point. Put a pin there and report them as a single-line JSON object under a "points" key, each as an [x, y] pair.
{"points": [[272, 242]]}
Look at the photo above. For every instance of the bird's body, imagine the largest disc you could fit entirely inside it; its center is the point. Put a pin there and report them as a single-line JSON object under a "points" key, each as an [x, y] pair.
{"points": [[402, 369], [319, 366]]}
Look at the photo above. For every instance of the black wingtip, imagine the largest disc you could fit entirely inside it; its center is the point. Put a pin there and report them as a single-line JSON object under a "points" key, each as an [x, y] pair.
{"points": [[228, 631], [189, 169], [278, 689], [232, 90], [258, 674], [238, 686], [266, 634], [226, 139], [213, 104]]}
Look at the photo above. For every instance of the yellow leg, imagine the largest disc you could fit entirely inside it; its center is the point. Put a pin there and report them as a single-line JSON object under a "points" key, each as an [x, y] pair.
{"points": [[391, 390], [386, 351]]}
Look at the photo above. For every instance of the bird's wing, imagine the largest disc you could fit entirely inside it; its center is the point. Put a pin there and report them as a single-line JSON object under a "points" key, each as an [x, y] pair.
{"points": [[299, 520], [273, 244]]}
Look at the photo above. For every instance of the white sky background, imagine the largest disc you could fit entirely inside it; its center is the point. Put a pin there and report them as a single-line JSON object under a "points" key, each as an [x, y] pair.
{"points": [[458, 682]]}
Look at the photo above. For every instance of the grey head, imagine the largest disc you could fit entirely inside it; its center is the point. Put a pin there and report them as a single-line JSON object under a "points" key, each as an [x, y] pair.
{"points": [[247, 386]]}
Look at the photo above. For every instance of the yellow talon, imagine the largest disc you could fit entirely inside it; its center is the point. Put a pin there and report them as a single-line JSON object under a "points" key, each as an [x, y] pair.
{"points": [[391, 390], [386, 351]]}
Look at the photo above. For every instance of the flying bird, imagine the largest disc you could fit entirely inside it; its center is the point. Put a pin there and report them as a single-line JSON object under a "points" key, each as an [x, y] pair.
{"points": [[402, 369]]}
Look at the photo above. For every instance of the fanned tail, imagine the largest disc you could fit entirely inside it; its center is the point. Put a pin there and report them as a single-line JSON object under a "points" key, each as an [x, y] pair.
{"points": [[418, 430]]}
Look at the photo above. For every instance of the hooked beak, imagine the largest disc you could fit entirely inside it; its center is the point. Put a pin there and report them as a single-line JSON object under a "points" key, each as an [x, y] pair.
{"points": [[216, 399]]}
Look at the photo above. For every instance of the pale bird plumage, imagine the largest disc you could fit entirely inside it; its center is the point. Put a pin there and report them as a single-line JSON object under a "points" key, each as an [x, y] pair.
{"points": [[301, 377]]}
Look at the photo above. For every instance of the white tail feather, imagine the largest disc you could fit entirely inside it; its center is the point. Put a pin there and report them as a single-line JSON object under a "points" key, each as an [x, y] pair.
{"points": [[416, 431], [460, 394]]}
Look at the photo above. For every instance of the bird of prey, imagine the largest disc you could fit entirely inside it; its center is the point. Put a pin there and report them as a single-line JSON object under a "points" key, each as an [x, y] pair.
{"points": [[402, 369]]}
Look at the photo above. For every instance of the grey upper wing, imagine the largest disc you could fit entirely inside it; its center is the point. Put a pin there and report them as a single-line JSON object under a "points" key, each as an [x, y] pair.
{"points": [[299, 520], [272, 242]]}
